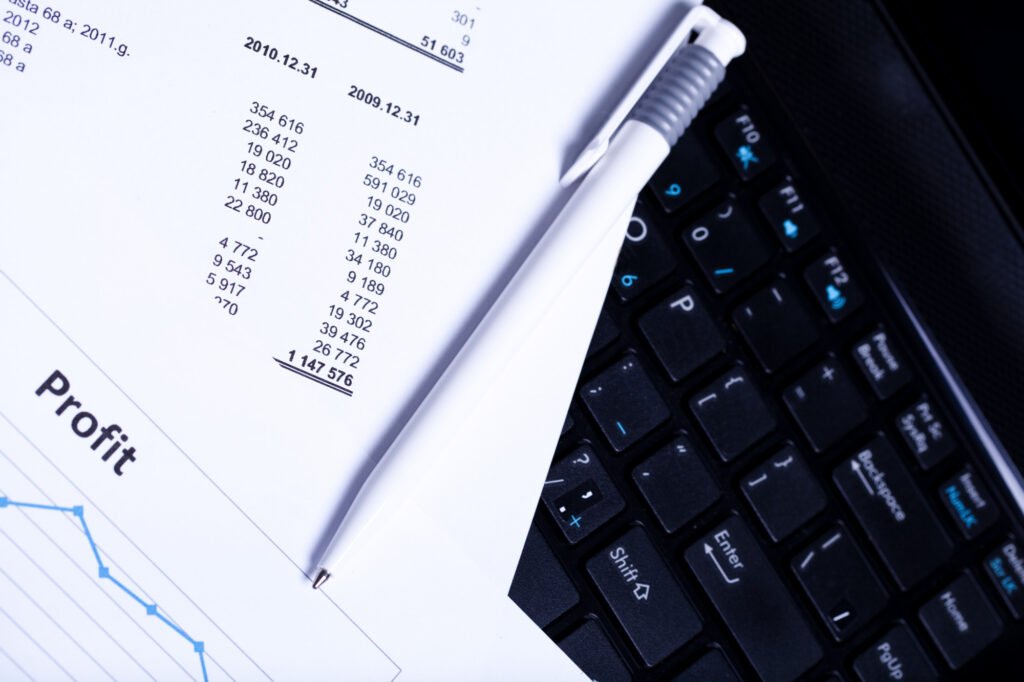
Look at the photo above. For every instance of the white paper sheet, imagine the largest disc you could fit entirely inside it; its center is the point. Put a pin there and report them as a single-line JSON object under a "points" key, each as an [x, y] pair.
{"points": [[124, 130]]}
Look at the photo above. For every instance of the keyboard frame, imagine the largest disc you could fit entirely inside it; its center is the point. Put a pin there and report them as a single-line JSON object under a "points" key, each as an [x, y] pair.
{"points": [[882, 305]]}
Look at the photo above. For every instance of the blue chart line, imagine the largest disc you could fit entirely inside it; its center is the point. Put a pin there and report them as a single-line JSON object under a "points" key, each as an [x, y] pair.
{"points": [[104, 573]]}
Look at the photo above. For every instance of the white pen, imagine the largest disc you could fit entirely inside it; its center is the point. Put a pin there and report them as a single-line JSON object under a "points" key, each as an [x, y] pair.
{"points": [[617, 164]]}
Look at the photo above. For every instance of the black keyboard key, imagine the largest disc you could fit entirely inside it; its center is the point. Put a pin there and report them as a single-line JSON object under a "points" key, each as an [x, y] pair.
{"points": [[784, 493], [753, 602], [835, 290], [969, 503], [682, 333], [893, 513], [732, 413], [645, 598], [1005, 567], [675, 484], [794, 223], [896, 657], [961, 621], [540, 586], [579, 494], [604, 333], [839, 582], [643, 259], [687, 172], [589, 648], [776, 325], [882, 365], [825, 404], [727, 245], [711, 667], [744, 144], [925, 433], [624, 403]]}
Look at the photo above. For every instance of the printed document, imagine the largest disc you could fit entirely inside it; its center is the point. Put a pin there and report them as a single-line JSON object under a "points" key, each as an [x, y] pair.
{"points": [[238, 240]]}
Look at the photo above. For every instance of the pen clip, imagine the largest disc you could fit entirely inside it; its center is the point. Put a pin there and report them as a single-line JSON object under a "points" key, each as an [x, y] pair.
{"points": [[700, 18]]}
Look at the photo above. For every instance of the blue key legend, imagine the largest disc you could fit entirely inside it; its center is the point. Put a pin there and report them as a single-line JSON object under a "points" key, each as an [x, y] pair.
{"points": [[969, 503], [745, 155], [1005, 567], [835, 297], [836, 290]]}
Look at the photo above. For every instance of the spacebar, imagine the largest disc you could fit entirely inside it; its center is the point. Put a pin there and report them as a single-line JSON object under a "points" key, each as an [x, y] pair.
{"points": [[753, 602]]}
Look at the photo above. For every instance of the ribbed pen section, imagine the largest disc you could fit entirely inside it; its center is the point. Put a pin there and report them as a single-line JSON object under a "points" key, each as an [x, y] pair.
{"points": [[679, 92]]}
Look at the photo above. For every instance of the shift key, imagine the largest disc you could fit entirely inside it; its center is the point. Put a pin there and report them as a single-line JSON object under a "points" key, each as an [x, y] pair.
{"points": [[753, 602], [643, 595], [890, 508]]}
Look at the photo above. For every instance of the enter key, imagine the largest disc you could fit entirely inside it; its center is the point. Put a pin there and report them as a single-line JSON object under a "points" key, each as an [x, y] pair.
{"points": [[753, 602]]}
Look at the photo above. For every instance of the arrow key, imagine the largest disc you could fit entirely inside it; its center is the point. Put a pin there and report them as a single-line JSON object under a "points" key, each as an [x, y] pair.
{"points": [[645, 598]]}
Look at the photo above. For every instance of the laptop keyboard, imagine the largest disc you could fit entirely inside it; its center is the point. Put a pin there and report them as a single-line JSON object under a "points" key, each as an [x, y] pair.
{"points": [[758, 477]]}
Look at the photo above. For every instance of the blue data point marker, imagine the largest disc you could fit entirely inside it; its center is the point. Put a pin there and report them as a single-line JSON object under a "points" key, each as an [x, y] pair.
{"points": [[115, 585], [673, 190], [628, 280], [790, 228]]}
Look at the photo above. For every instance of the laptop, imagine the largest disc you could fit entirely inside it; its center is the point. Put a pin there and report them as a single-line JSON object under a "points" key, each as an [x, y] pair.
{"points": [[790, 454]]}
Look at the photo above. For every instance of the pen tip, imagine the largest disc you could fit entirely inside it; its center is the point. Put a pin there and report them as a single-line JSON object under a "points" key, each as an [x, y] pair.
{"points": [[321, 578]]}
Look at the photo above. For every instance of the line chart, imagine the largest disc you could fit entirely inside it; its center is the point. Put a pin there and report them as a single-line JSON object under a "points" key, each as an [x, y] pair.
{"points": [[103, 571]]}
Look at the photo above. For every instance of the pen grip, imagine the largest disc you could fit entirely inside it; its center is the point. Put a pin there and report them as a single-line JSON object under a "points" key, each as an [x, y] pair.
{"points": [[679, 92]]}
